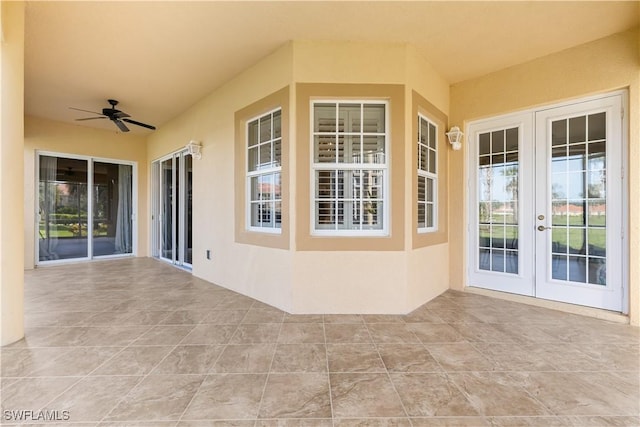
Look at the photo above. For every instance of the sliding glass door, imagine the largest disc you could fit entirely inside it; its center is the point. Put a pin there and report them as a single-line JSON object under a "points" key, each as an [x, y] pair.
{"points": [[112, 209], [63, 226], [85, 208], [167, 234], [172, 205]]}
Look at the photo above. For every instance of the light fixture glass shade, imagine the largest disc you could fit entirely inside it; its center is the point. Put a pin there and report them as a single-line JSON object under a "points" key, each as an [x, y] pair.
{"points": [[193, 148], [455, 137]]}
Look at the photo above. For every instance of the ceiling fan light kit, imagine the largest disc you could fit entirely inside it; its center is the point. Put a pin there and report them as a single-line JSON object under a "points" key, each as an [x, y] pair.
{"points": [[115, 115]]}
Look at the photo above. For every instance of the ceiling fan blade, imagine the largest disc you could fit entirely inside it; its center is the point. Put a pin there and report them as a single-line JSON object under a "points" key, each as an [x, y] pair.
{"points": [[86, 111], [121, 125], [90, 118], [144, 125]]}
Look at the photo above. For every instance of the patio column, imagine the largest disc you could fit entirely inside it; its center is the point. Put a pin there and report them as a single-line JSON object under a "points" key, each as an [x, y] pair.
{"points": [[11, 171]]}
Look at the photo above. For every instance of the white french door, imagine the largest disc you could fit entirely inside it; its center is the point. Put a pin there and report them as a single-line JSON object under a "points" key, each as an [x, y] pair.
{"points": [[547, 203], [579, 204], [502, 205]]}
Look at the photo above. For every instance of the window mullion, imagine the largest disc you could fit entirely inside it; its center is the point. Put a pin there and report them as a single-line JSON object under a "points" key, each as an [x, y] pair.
{"points": [[263, 205], [335, 198], [427, 172], [349, 190]]}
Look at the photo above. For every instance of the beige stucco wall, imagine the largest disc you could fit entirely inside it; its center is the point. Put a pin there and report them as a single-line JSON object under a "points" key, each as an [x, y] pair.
{"points": [[350, 282], [427, 276], [427, 266], [371, 281], [297, 279], [597, 67], [263, 273], [51, 136], [11, 173], [425, 80]]}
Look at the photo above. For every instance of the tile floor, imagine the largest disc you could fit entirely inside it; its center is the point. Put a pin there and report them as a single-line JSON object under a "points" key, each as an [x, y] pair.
{"points": [[139, 343]]}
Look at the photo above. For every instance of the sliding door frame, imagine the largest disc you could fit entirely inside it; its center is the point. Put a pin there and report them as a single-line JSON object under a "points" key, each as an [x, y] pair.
{"points": [[90, 194]]}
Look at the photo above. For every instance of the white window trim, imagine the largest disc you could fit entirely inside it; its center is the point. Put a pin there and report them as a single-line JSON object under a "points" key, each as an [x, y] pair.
{"points": [[386, 199], [426, 174], [260, 172]]}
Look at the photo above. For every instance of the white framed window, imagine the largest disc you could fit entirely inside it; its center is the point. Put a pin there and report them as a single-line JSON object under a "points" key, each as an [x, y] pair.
{"points": [[350, 167], [427, 167], [264, 172]]}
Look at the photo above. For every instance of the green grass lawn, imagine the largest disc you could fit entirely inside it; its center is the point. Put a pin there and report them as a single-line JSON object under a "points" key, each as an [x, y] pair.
{"points": [[566, 233], [62, 231]]}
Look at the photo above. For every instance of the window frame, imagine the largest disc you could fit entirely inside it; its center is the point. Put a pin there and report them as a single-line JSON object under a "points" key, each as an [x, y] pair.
{"points": [[337, 167], [270, 171], [427, 175]]}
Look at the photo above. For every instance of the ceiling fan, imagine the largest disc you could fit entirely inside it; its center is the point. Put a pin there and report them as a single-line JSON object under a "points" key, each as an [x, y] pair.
{"points": [[116, 116]]}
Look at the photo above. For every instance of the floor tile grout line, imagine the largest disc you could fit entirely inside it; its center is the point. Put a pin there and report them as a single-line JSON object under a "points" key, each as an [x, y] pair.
{"points": [[206, 375], [326, 358], [447, 373], [494, 364], [551, 411], [143, 377], [386, 370], [424, 345], [87, 375], [266, 381], [511, 371]]}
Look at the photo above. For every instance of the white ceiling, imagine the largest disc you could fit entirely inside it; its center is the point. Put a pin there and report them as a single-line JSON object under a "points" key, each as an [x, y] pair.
{"points": [[158, 58]]}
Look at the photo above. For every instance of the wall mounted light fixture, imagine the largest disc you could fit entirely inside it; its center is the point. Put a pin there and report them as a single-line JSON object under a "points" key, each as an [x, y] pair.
{"points": [[455, 137], [194, 148]]}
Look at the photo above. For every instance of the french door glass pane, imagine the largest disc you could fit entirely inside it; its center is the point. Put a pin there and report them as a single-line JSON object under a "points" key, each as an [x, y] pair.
{"points": [[578, 197], [498, 182], [63, 208], [112, 209]]}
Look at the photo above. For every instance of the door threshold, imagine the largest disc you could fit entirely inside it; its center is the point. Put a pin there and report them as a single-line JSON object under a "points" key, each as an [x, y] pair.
{"points": [[597, 313], [184, 267], [100, 258]]}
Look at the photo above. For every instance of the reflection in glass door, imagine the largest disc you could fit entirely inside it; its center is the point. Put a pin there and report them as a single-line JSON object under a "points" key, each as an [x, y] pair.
{"points": [[112, 209], [172, 216], [167, 214], [62, 226], [498, 176], [578, 197], [80, 198], [187, 215]]}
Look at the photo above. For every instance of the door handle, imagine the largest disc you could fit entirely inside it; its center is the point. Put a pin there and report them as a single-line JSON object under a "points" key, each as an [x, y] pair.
{"points": [[542, 228]]}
